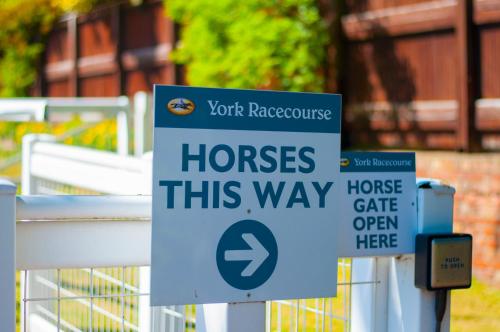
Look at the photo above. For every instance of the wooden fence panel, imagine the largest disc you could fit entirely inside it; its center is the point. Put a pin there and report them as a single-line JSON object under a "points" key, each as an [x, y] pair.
{"points": [[489, 41], [112, 51], [418, 73], [422, 74]]}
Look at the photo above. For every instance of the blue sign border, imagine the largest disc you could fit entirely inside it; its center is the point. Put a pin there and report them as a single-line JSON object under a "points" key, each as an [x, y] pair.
{"points": [[200, 117], [377, 162]]}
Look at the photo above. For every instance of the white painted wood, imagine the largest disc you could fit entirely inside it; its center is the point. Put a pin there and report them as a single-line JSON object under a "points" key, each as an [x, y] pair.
{"points": [[246, 317], [100, 171], [49, 109], [80, 207], [17, 109], [395, 304], [409, 308], [40, 324], [27, 180], [144, 309], [435, 207], [122, 133], [362, 315], [369, 300], [83, 231], [80, 244], [231, 317], [211, 317], [142, 123], [83, 104]]}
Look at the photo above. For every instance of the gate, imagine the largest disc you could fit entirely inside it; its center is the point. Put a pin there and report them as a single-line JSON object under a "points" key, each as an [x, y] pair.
{"points": [[84, 259]]}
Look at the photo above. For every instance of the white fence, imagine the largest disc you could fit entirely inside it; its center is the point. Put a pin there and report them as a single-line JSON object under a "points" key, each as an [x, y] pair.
{"points": [[67, 244], [45, 162], [51, 168], [61, 109], [136, 114]]}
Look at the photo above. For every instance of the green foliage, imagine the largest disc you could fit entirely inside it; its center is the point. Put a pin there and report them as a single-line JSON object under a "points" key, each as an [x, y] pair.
{"points": [[25, 25], [476, 308], [269, 44], [24, 22]]}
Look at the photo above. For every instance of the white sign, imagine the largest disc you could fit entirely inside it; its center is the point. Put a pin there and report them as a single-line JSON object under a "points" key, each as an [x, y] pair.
{"points": [[245, 195], [379, 197]]}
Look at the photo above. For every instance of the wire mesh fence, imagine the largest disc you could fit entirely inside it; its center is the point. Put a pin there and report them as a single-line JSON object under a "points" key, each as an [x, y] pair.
{"points": [[104, 299], [49, 187], [117, 298], [114, 299], [321, 314]]}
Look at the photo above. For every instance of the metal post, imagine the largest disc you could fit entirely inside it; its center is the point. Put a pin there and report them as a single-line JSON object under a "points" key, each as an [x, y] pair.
{"points": [[231, 317], [7, 256]]}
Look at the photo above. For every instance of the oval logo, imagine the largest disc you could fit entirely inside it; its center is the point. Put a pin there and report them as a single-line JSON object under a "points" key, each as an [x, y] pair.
{"points": [[180, 106], [344, 162]]}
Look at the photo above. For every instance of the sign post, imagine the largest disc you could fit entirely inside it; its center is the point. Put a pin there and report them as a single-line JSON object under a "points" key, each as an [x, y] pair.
{"points": [[245, 195]]}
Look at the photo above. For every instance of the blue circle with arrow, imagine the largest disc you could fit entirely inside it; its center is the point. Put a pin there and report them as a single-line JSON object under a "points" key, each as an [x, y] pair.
{"points": [[247, 254]]}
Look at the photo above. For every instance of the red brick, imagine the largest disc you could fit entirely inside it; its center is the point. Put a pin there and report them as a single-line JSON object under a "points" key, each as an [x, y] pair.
{"points": [[476, 178]]}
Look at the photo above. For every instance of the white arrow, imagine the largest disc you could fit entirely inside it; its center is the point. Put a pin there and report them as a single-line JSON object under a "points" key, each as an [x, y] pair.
{"points": [[256, 255]]}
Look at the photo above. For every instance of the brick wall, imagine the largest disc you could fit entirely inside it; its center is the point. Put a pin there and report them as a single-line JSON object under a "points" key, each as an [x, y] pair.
{"points": [[476, 178]]}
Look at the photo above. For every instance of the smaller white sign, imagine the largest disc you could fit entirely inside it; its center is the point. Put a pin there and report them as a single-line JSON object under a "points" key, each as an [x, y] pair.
{"points": [[379, 213]]}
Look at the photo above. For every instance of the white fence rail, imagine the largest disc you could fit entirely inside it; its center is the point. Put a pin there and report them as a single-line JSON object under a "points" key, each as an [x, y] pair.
{"points": [[94, 233], [94, 170], [60, 232], [60, 109], [52, 168]]}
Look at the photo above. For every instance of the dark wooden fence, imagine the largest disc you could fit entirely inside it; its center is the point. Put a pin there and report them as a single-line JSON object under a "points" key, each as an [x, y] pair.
{"points": [[424, 73], [415, 73], [116, 50]]}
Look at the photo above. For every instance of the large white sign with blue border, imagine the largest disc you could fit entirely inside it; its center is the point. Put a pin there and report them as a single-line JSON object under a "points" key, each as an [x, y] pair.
{"points": [[245, 195], [379, 196]]}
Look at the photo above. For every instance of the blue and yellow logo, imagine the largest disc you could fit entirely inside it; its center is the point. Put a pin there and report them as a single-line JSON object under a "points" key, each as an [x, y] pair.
{"points": [[180, 106], [344, 162]]}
